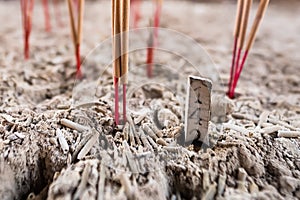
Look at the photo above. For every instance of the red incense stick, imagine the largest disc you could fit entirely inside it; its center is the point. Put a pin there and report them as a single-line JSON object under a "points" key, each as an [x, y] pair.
{"points": [[47, 15], [78, 61], [27, 11], [77, 34], [153, 41], [245, 16], [236, 37], [149, 62]]}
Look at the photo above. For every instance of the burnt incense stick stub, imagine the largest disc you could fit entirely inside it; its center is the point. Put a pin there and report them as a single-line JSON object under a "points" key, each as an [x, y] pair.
{"points": [[197, 110]]}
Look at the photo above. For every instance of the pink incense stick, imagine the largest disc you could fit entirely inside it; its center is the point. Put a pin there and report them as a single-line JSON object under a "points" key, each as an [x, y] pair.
{"points": [[236, 34], [135, 7], [117, 115], [57, 13], [124, 103], [47, 15]]}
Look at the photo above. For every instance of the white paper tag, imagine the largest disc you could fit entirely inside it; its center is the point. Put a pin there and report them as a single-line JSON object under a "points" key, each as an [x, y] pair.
{"points": [[197, 109]]}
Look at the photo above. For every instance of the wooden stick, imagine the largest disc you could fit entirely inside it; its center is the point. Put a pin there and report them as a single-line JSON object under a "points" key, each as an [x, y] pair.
{"points": [[259, 16], [236, 33]]}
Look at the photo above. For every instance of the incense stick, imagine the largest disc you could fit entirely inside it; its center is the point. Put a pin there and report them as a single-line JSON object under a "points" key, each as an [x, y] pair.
{"points": [[79, 36], [153, 40], [135, 8], [57, 13], [76, 34], [157, 19], [47, 15], [236, 36], [27, 10], [120, 32], [116, 53], [243, 27], [259, 16], [150, 56], [125, 47]]}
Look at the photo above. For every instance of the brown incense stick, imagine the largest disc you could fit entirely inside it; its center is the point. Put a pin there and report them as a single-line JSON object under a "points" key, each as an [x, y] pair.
{"points": [[239, 14], [80, 21], [259, 16], [72, 22], [243, 28]]}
